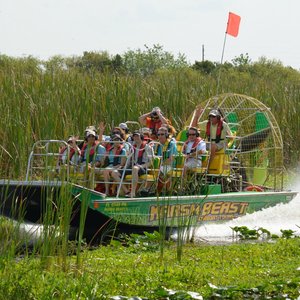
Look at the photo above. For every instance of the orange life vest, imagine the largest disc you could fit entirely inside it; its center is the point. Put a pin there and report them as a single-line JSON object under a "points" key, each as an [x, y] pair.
{"points": [[154, 126]]}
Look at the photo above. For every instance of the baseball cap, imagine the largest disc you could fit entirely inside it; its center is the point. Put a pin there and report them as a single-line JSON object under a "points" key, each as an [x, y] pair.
{"points": [[214, 112], [90, 132]]}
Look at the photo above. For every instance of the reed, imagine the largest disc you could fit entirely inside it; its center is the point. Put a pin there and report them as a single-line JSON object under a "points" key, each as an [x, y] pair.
{"points": [[53, 103]]}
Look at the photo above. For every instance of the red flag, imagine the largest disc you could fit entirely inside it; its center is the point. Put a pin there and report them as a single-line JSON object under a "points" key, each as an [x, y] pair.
{"points": [[233, 24]]}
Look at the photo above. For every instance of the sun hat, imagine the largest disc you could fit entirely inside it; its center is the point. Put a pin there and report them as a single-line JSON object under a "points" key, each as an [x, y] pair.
{"points": [[70, 138], [123, 126]]}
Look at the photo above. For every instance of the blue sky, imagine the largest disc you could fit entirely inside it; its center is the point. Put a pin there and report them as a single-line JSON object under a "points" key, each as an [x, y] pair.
{"points": [[44, 28]]}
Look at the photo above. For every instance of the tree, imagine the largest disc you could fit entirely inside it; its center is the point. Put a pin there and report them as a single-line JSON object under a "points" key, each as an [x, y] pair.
{"points": [[145, 62], [206, 66]]}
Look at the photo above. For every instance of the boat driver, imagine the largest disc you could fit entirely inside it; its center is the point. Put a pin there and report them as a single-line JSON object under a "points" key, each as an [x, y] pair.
{"points": [[216, 131]]}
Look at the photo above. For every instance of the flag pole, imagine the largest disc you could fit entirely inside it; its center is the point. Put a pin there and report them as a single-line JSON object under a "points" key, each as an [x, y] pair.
{"points": [[222, 56], [232, 28]]}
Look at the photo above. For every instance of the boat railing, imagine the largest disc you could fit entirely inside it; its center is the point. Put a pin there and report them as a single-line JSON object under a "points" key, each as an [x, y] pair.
{"points": [[44, 159], [45, 163], [93, 177], [146, 181], [149, 178]]}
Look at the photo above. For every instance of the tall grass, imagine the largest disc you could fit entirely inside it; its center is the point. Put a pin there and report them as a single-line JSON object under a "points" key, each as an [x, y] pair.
{"points": [[42, 104]]}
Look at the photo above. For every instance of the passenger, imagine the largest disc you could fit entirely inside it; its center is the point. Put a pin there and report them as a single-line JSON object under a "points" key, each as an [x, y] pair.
{"points": [[137, 166], [92, 152], [153, 135], [216, 131], [90, 128], [106, 139], [153, 120], [74, 152], [146, 132], [193, 149], [115, 130], [166, 149], [119, 131], [171, 131], [115, 160], [126, 131]]}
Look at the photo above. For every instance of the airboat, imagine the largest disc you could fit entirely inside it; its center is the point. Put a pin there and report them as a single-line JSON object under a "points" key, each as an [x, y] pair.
{"points": [[246, 177]]}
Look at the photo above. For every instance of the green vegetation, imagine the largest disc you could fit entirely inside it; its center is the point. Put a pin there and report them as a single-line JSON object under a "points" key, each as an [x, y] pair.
{"points": [[55, 98], [134, 266]]}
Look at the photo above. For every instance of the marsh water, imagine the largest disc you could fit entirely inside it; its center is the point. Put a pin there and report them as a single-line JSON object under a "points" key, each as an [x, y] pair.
{"points": [[281, 216]]}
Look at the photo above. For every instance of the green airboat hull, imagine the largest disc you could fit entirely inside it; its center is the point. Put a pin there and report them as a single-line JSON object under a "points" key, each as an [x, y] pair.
{"points": [[175, 211], [32, 201]]}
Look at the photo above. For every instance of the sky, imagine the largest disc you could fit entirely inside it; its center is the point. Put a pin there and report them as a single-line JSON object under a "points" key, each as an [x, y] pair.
{"points": [[45, 28]]}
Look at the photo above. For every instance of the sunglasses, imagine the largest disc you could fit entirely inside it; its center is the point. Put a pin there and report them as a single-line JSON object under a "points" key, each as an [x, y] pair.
{"points": [[91, 136], [116, 132], [161, 134], [191, 134], [212, 116]]}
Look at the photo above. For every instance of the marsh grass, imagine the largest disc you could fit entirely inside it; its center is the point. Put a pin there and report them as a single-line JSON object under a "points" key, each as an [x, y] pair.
{"points": [[234, 271], [54, 103]]}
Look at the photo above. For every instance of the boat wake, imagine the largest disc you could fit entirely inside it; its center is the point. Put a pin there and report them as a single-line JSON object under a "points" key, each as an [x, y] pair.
{"points": [[281, 216]]}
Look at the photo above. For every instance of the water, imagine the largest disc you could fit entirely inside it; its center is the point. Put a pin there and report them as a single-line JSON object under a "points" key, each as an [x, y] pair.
{"points": [[281, 216]]}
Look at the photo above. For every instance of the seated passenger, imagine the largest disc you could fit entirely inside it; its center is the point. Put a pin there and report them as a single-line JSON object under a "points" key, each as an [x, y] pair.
{"points": [[125, 128], [92, 152], [137, 166], [166, 149], [216, 131], [172, 132], [115, 159], [87, 129], [193, 149], [74, 153], [115, 130], [146, 132]]}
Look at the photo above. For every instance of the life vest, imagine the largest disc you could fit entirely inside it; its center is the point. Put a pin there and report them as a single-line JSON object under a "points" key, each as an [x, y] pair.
{"points": [[92, 151], [154, 126], [62, 150], [141, 151], [218, 133], [117, 157], [194, 146], [254, 188], [165, 149]]}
